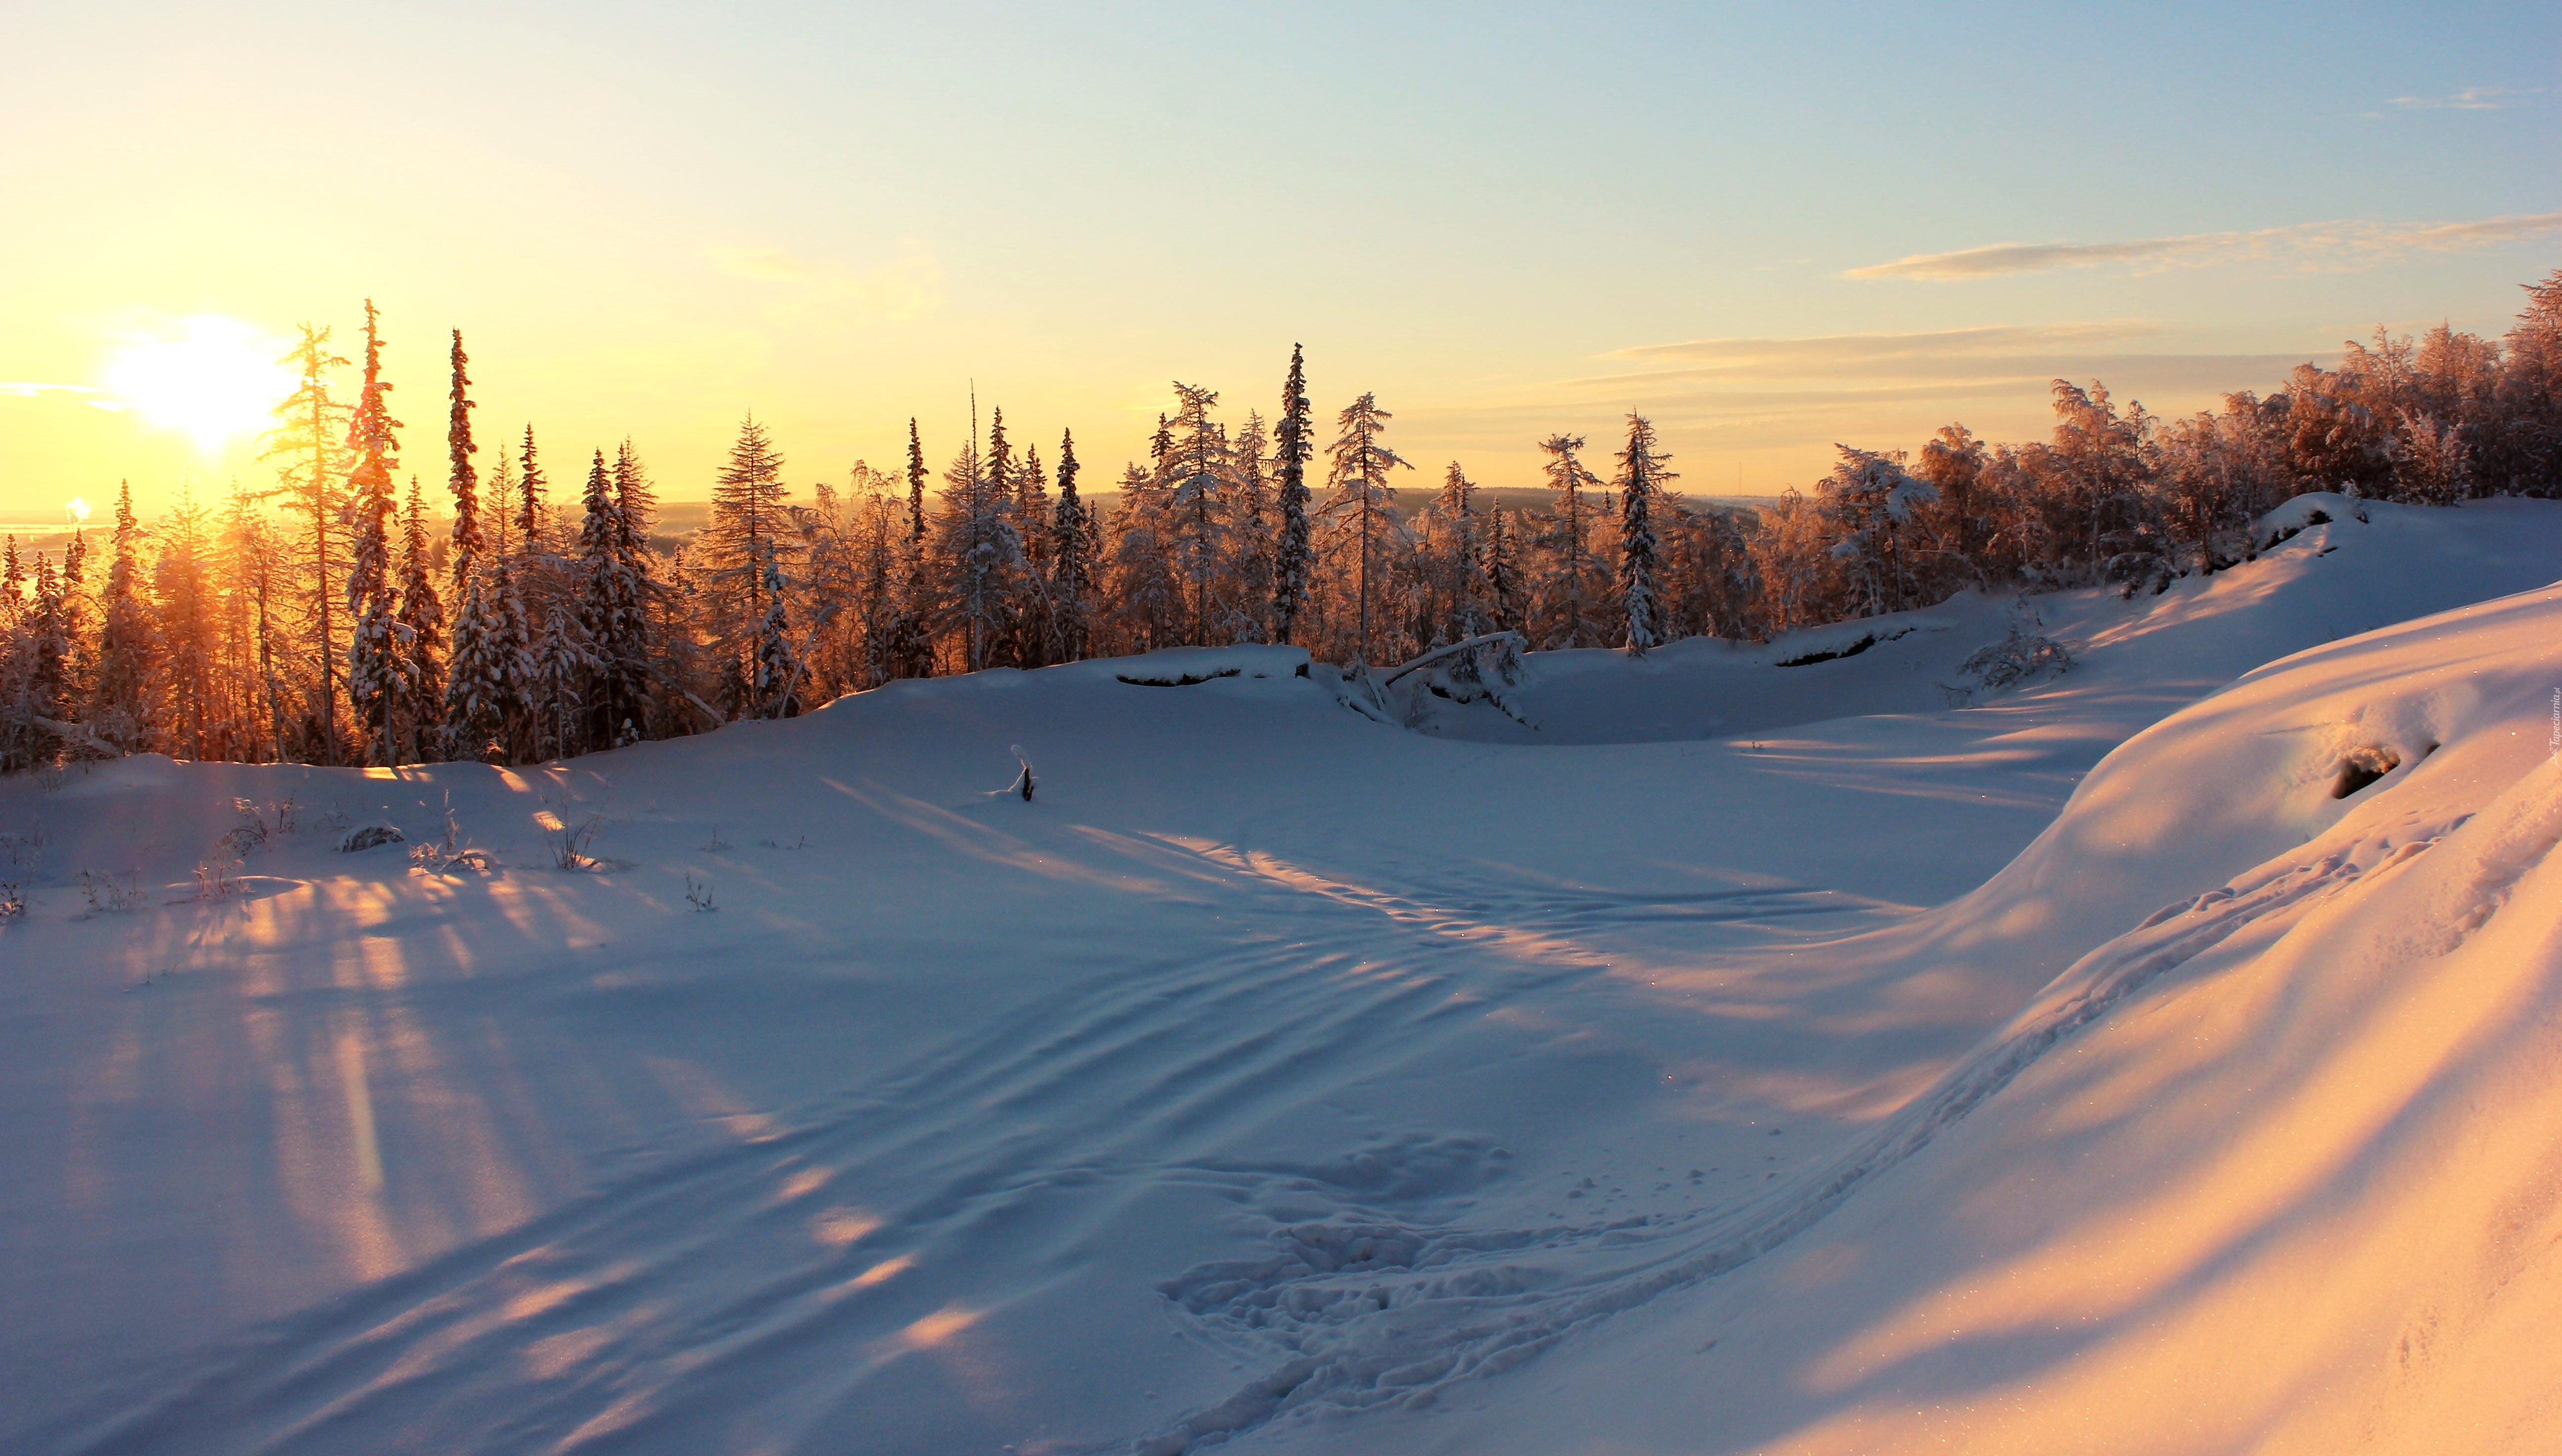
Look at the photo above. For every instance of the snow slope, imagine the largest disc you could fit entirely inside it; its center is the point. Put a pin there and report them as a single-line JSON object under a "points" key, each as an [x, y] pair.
{"points": [[2279, 1169], [1280, 1078]]}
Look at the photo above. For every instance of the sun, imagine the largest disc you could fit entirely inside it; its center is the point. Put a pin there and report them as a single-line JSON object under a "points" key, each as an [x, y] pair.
{"points": [[212, 377]]}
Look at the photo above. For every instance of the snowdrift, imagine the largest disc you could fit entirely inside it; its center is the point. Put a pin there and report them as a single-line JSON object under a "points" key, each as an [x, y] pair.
{"points": [[2332, 568], [2280, 1168], [1747, 1057]]}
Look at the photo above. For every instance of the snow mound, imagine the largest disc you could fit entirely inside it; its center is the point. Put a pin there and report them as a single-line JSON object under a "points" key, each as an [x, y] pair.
{"points": [[2302, 512], [2324, 578], [1187, 667], [1857, 1074], [2284, 1143]]}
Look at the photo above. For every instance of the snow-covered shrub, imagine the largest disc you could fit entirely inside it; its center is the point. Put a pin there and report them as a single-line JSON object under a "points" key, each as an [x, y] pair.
{"points": [[699, 893], [247, 834], [571, 837], [1359, 691], [1478, 670], [2023, 655], [371, 836], [24, 850], [451, 856], [259, 825], [106, 897], [2301, 513], [217, 878]]}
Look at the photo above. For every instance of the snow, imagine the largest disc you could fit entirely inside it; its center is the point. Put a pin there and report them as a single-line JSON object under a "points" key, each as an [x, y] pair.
{"points": [[1745, 1057]]}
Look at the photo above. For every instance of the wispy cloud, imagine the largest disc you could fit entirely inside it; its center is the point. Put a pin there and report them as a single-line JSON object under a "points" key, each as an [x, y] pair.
{"points": [[2470, 99], [1831, 352], [909, 288], [2312, 247], [28, 390], [1786, 399]]}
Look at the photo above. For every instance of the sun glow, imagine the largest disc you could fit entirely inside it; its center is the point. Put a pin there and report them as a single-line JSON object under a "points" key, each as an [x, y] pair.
{"points": [[214, 378]]}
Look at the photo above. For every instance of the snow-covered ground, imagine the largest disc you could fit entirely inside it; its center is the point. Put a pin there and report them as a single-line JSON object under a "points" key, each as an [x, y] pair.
{"points": [[1750, 1057]]}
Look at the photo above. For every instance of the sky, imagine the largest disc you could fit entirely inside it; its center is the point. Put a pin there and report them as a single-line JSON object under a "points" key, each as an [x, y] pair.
{"points": [[1771, 228]]}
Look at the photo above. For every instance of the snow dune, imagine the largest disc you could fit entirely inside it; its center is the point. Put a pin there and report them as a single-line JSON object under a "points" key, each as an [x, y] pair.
{"points": [[1751, 1057]]}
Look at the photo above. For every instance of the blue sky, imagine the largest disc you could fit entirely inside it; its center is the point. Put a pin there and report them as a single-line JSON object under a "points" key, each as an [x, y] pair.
{"points": [[1504, 220]]}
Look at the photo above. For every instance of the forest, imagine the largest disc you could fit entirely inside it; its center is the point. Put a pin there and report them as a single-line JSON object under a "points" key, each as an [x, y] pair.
{"points": [[329, 615]]}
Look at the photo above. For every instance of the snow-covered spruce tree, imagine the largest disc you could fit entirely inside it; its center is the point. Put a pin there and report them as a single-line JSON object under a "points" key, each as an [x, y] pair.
{"points": [[610, 612], [777, 675], [1360, 504], [1194, 464], [1507, 595], [521, 641], [1641, 487], [1453, 552], [1293, 446], [1017, 615], [978, 557], [187, 678], [310, 448], [478, 672], [1567, 588], [2523, 422], [120, 708], [1250, 538], [561, 670], [533, 516], [461, 479], [421, 711], [999, 461], [376, 650], [744, 535], [1072, 549], [915, 484], [498, 540], [1144, 592], [37, 727], [636, 509], [1036, 633]]}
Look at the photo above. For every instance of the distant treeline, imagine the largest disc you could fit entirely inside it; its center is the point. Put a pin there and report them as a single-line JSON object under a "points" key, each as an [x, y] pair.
{"points": [[327, 618]]}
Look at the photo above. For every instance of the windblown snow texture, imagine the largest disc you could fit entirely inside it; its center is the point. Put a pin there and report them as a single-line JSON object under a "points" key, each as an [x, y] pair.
{"points": [[1709, 1056]]}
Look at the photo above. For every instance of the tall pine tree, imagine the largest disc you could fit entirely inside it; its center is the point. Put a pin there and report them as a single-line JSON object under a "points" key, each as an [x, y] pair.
{"points": [[1641, 485], [422, 618], [120, 707], [1360, 501], [1073, 544], [1293, 562], [310, 448], [1571, 584], [460, 479], [610, 612], [742, 540], [377, 676]]}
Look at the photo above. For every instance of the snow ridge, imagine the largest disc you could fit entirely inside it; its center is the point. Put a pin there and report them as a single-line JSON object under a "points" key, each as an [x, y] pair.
{"points": [[1370, 1313]]}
